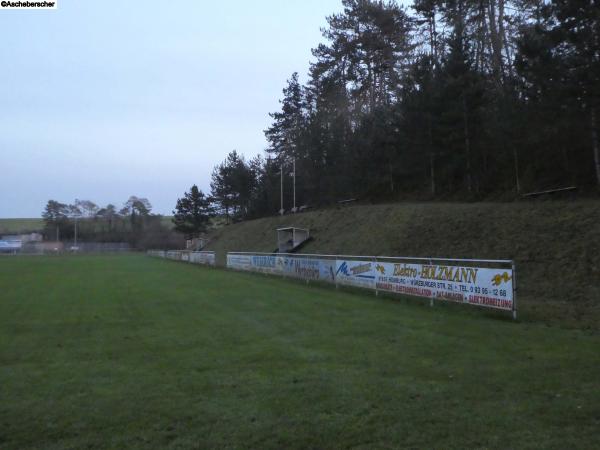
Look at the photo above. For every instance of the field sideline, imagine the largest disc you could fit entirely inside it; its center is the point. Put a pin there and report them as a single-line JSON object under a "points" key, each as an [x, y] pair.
{"points": [[134, 352]]}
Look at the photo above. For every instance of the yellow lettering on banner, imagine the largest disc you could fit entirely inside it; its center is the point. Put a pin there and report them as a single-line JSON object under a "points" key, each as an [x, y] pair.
{"points": [[457, 275], [404, 271], [428, 272], [447, 273], [472, 275]]}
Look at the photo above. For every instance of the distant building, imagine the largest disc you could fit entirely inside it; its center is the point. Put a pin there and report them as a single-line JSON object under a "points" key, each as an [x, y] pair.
{"points": [[13, 243], [29, 237], [32, 237]]}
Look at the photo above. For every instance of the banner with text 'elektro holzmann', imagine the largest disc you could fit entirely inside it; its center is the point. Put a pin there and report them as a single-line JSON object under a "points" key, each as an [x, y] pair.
{"points": [[473, 285]]}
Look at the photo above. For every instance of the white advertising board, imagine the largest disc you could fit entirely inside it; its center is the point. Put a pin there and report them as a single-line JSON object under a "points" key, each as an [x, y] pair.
{"points": [[481, 286], [307, 268], [207, 258], [174, 254], [359, 273], [265, 264], [463, 284], [239, 262]]}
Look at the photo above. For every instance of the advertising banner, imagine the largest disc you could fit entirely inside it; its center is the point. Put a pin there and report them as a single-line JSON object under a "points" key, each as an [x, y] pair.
{"points": [[307, 268], [174, 254], [239, 262], [473, 285], [266, 264], [207, 258], [353, 272], [481, 286]]}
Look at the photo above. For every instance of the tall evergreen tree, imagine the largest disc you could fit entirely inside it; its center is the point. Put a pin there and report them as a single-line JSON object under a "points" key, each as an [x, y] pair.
{"points": [[55, 216], [285, 132], [460, 98], [232, 185], [192, 213]]}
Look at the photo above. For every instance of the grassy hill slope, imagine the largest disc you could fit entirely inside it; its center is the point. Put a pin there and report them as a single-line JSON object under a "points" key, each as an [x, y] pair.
{"points": [[555, 244], [8, 226]]}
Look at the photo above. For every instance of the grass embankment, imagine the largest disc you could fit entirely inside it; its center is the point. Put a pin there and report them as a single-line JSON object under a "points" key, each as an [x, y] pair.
{"points": [[134, 352], [8, 226], [556, 245], [16, 226]]}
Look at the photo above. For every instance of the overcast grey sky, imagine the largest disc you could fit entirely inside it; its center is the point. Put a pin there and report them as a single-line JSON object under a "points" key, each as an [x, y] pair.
{"points": [[103, 100]]}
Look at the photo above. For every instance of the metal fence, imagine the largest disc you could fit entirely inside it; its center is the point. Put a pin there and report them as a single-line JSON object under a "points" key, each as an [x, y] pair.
{"points": [[55, 248], [479, 282], [206, 258], [100, 247]]}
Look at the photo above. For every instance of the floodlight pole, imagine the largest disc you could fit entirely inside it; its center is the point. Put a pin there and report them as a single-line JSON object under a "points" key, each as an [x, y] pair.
{"points": [[294, 209], [281, 173], [75, 240]]}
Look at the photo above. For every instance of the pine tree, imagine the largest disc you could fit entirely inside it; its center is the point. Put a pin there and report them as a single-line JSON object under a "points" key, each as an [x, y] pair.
{"points": [[461, 98], [55, 216], [192, 213], [232, 185], [284, 134]]}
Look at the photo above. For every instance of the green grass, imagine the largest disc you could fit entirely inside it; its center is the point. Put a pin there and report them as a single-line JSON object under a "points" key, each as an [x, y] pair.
{"points": [[30, 225], [133, 352], [8, 226]]}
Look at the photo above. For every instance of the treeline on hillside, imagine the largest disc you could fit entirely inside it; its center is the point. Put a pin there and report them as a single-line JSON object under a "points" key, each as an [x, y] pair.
{"points": [[134, 223], [457, 98]]}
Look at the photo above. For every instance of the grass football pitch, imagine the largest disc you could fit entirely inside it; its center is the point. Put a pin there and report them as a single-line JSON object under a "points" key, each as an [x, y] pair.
{"points": [[133, 352]]}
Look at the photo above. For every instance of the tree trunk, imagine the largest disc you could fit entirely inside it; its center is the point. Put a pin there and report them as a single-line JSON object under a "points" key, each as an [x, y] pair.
{"points": [[432, 171], [467, 146], [496, 40], [433, 39], [595, 144], [482, 37], [371, 87], [431, 159], [503, 40]]}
